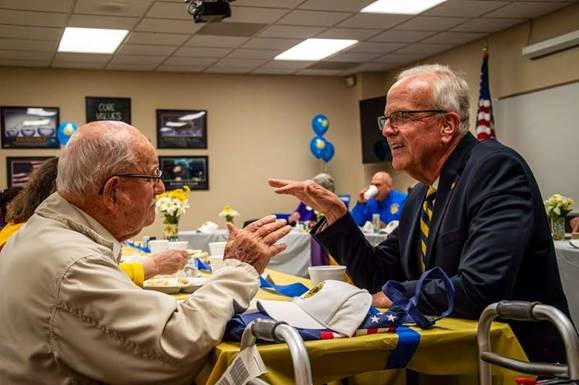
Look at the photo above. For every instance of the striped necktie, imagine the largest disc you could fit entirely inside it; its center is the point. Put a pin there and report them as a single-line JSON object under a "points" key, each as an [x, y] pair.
{"points": [[425, 219]]}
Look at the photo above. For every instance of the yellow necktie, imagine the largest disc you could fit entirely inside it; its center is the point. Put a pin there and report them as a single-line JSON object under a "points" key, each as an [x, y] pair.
{"points": [[425, 218]]}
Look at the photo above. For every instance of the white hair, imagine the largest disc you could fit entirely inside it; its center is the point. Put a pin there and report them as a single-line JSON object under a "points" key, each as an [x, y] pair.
{"points": [[450, 91], [325, 180], [89, 159]]}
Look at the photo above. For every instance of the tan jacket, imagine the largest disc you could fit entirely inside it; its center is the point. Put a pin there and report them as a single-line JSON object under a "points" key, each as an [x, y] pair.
{"points": [[68, 314]]}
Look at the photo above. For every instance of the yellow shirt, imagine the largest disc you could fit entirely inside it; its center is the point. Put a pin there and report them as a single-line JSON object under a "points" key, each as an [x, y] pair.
{"points": [[7, 231]]}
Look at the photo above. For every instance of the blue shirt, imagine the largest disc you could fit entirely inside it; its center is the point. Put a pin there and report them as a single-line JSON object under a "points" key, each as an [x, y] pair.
{"points": [[389, 209]]}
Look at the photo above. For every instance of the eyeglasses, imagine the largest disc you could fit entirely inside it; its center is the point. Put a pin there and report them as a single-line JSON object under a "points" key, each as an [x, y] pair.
{"points": [[398, 118], [158, 174]]}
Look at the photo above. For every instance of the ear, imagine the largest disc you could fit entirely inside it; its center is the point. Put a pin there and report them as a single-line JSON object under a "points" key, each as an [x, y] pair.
{"points": [[450, 126], [109, 195]]}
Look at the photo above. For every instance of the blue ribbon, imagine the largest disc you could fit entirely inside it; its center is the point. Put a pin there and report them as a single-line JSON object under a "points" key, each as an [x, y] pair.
{"points": [[200, 265], [408, 341], [291, 290]]}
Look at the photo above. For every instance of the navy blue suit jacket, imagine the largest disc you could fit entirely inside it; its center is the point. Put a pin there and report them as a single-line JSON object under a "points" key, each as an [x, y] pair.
{"points": [[489, 233]]}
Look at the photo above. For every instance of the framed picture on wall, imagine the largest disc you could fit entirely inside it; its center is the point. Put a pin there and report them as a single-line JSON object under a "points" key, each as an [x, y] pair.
{"points": [[105, 108], [29, 127], [19, 168], [179, 171], [181, 128]]}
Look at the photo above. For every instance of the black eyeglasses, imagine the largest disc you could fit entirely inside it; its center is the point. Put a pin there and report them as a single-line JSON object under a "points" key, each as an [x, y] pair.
{"points": [[398, 118], [158, 175]]}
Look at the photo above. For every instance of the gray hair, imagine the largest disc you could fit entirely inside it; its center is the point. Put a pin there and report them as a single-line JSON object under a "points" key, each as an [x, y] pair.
{"points": [[325, 180], [450, 91], [89, 159]]}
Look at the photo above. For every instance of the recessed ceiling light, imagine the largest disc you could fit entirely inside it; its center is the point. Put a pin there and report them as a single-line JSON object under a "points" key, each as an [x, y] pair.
{"points": [[315, 49], [404, 7], [91, 40]]}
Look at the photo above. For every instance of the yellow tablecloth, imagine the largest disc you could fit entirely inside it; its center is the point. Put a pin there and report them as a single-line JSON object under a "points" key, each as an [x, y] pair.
{"points": [[450, 347]]}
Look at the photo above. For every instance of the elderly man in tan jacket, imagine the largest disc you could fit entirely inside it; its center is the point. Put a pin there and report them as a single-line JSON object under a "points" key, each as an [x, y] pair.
{"points": [[69, 315]]}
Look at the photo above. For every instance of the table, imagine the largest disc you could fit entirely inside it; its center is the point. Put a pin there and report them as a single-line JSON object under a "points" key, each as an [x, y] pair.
{"points": [[449, 348], [568, 261]]}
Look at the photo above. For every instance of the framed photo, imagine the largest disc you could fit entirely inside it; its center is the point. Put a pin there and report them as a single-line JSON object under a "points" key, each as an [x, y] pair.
{"points": [[104, 108], [29, 127], [181, 128], [20, 167], [179, 171]]}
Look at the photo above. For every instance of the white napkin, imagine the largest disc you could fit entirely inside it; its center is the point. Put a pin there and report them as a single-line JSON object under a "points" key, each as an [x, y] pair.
{"points": [[390, 227], [368, 227], [208, 227]]}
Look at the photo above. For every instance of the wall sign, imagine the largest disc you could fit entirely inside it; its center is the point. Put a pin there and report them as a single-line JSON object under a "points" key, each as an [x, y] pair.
{"points": [[104, 108]]}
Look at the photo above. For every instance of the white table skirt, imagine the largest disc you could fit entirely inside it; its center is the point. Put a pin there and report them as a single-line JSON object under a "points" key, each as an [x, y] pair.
{"points": [[568, 260]]}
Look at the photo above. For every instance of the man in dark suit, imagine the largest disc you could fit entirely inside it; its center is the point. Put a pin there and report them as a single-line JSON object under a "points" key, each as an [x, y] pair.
{"points": [[476, 212]]}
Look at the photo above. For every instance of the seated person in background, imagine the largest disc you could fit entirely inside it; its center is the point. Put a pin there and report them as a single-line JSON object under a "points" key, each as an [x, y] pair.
{"points": [[41, 184], [386, 201], [476, 212], [72, 315], [305, 213], [574, 223], [6, 197]]}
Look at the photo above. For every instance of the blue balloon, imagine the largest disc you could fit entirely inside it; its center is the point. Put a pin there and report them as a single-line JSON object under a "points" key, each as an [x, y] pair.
{"points": [[320, 124], [317, 146], [328, 152], [65, 131]]}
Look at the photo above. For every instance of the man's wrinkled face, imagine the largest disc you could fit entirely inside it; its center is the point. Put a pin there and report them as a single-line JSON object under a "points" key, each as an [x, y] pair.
{"points": [[383, 185]]}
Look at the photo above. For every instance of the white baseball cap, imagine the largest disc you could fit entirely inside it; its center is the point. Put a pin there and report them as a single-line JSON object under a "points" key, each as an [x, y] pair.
{"points": [[334, 305]]}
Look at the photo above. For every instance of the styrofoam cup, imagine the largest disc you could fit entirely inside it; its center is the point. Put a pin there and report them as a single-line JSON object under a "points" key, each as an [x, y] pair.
{"points": [[370, 192], [158, 245], [216, 249], [178, 245], [322, 273]]}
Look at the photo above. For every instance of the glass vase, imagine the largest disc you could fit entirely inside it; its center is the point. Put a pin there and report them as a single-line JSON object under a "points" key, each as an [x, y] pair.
{"points": [[558, 227], [170, 229]]}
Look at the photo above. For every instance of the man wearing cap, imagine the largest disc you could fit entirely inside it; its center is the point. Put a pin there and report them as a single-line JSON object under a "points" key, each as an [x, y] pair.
{"points": [[476, 212], [379, 198]]}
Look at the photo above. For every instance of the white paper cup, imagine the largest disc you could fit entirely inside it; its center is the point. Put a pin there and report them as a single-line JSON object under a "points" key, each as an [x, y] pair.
{"points": [[216, 249], [158, 245], [178, 245], [322, 273], [371, 192], [216, 263]]}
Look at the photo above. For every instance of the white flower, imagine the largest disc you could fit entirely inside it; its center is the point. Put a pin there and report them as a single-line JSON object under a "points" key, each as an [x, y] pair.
{"points": [[558, 205]]}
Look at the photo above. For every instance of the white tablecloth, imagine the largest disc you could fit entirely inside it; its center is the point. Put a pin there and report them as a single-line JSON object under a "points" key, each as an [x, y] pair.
{"points": [[294, 260], [568, 260]]}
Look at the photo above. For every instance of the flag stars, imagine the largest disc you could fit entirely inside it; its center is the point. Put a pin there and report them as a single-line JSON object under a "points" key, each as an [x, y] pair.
{"points": [[391, 317], [374, 319]]}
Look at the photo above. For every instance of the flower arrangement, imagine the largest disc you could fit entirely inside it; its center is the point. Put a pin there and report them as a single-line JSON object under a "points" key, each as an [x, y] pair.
{"points": [[228, 213], [172, 204], [558, 205]]}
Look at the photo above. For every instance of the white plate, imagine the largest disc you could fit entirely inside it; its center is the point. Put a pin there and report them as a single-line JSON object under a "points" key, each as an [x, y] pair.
{"points": [[193, 284], [164, 285]]}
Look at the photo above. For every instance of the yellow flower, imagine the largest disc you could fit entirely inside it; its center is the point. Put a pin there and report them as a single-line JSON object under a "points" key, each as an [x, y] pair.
{"points": [[228, 211], [558, 205]]}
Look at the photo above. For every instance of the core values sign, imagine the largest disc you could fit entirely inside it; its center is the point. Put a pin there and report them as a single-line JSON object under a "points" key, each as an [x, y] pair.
{"points": [[103, 108]]}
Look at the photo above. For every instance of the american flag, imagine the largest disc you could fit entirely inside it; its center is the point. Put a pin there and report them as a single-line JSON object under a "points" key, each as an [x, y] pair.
{"points": [[484, 117], [21, 172]]}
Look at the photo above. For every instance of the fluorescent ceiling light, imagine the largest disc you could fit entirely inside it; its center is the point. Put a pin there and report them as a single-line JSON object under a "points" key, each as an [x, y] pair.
{"points": [[91, 40], [315, 49], [404, 7]]}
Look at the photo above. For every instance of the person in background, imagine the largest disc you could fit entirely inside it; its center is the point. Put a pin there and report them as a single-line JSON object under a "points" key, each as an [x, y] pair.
{"points": [[6, 197], [574, 223], [380, 199], [72, 315], [41, 184], [303, 212], [476, 212]]}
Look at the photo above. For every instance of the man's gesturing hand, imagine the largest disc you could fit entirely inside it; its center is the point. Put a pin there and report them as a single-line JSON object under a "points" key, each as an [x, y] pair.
{"points": [[256, 243]]}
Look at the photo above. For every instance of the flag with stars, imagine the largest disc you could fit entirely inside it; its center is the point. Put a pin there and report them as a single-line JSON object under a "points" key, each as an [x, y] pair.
{"points": [[484, 116], [376, 322]]}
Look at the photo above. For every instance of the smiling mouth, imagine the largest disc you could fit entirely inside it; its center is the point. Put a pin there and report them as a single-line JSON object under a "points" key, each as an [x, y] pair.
{"points": [[395, 146]]}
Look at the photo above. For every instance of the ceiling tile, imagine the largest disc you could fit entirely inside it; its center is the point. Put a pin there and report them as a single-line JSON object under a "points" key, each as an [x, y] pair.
{"points": [[372, 67], [255, 15], [36, 33], [376, 47], [464, 8], [526, 9], [396, 58], [484, 24], [147, 50], [81, 58], [202, 52], [336, 5], [169, 11], [290, 31], [231, 29], [156, 38], [188, 61], [314, 18], [132, 67], [288, 64], [137, 59], [371, 20], [329, 65], [424, 49], [402, 36], [319, 72], [263, 43], [42, 19], [216, 41], [431, 23], [227, 70], [80, 65], [113, 8], [274, 71], [170, 68], [26, 55], [269, 3], [240, 63], [94, 21], [353, 57], [454, 37], [166, 25], [254, 53], [24, 63], [63, 6], [348, 33], [28, 45]]}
